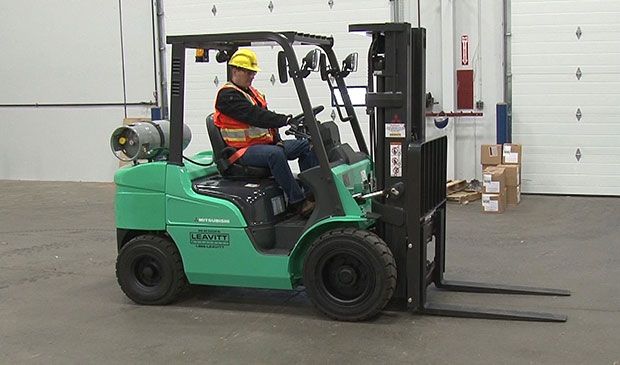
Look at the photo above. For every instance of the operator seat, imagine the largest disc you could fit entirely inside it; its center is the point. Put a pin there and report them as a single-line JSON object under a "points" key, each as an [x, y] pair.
{"points": [[336, 150], [221, 153]]}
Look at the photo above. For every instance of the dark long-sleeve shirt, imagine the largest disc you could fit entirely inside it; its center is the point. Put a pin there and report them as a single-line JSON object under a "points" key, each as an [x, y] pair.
{"points": [[234, 104]]}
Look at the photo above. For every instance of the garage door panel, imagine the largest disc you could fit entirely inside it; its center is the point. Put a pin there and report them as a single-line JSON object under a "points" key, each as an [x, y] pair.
{"points": [[295, 15], [554, 162], [533, 111], [558, 151], [566, 118], [584, 89], [569, 179], [565, 140], [526, 59], [565, 33], [570, 184], [540, 7], [545, 72], [566, 47], [566, 188], [558, 30], [535, 98], [570, 169], [550, 156], [538, 19], [563, 129]]}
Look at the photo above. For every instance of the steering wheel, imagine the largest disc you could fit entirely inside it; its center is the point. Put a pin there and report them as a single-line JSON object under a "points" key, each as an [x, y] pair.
{"points": [[298, 120]]}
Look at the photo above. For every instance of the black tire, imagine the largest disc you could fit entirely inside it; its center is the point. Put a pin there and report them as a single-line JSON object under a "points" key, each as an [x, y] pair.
{"points": [[150, 271], [349, 274]]}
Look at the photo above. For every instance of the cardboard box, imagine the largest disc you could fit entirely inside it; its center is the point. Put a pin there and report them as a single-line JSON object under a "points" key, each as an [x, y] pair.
{"points": [[493, 180], [494, 203], [513, 195], [513, 174], [491, 154], [511, 154]]}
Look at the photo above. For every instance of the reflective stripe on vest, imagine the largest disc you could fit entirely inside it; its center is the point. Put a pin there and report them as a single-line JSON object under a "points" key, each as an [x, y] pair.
{"points": [[243, 134], [237, 133]]}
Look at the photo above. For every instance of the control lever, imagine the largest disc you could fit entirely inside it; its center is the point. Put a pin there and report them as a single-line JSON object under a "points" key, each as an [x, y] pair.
{"points": [[361, 198], [395, 191]]}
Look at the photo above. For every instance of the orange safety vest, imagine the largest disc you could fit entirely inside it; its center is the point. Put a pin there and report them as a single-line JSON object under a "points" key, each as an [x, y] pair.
{"points": [[239, 134]]}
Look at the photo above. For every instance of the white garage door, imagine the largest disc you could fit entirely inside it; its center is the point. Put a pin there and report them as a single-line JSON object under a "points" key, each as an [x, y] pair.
{"points": [[566, 94], [318, 17]]}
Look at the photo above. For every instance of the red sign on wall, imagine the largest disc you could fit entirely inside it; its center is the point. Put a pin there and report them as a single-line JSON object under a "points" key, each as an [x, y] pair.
{"points": [[464, 89], [464, 50]]}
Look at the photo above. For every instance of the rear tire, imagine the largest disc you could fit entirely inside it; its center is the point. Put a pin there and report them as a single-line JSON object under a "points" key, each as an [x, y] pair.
{"points": [[149, 270], [349, 274]]}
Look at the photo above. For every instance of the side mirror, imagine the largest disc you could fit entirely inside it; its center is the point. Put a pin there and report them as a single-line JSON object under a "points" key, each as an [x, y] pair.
{"points": [[222, 56], [282, 67], [310, 63], [350, 63], [323, 67]]}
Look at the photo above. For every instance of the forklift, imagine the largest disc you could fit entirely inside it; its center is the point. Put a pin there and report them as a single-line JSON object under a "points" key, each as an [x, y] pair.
{"points": [[205, 221]]}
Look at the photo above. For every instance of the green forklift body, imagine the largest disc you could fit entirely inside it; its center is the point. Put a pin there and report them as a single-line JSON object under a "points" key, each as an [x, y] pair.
{"points": [[212, 234], [140, 202]]}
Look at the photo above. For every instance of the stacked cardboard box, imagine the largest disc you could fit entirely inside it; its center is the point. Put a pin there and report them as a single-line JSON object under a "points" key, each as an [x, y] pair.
{"points": [[511, 161], [501, 177], [494, 189]]}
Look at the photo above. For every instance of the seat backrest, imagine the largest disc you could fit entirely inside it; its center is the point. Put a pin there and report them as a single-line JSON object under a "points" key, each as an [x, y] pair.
{"points": [[336, 150], [221, 151], [329, 134], [217, 142]]}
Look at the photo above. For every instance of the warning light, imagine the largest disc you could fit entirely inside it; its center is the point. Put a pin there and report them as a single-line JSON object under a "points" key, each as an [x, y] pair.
{"points": [[202, 55]]}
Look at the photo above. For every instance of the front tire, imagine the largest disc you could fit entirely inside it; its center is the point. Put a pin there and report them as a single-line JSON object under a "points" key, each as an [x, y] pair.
{"points": [[149, 270], [349, 274]]}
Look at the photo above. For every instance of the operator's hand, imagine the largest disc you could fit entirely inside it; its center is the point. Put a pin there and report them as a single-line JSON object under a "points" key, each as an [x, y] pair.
{"points": [[284, 120], [289, 119]]}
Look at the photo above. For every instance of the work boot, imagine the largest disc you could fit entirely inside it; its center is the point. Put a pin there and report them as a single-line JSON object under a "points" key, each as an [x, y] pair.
{"points": [[302, 208], [306, 208]]}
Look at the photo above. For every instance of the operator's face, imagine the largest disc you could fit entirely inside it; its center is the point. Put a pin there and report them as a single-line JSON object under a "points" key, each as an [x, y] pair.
{"points": [[242, 77]]}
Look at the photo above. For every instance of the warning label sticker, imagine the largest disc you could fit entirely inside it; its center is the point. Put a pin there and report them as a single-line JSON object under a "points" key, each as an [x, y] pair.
{"points": [[396, 160], [395, 130]]}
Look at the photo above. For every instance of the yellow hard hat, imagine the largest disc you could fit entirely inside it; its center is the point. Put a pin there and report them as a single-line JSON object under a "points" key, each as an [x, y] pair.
{"points": [[245, 58]]}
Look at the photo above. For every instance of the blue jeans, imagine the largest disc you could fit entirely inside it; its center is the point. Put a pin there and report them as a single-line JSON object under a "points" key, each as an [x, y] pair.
{"points": [[276, 157]]}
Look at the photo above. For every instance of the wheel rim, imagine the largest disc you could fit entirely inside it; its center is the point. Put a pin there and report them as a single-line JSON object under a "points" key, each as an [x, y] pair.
{"points": [[147, 270], [346, 276]]}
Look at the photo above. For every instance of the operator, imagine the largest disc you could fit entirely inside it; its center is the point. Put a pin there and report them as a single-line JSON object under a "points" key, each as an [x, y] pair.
{"points": [[245, 123]]}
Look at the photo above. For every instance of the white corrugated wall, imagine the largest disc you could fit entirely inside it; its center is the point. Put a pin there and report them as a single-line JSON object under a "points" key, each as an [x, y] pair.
{"points": [[58, 54]]}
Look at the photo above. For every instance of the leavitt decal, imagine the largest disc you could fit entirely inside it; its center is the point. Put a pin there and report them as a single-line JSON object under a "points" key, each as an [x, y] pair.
{"points": [[208, 238]]}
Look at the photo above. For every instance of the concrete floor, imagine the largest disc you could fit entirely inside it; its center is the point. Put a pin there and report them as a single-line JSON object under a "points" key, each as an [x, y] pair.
{"points": [[60, 303]]}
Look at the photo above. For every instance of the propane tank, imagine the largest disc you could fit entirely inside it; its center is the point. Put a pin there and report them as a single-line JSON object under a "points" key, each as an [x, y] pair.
{"points": [[144, 140]]}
